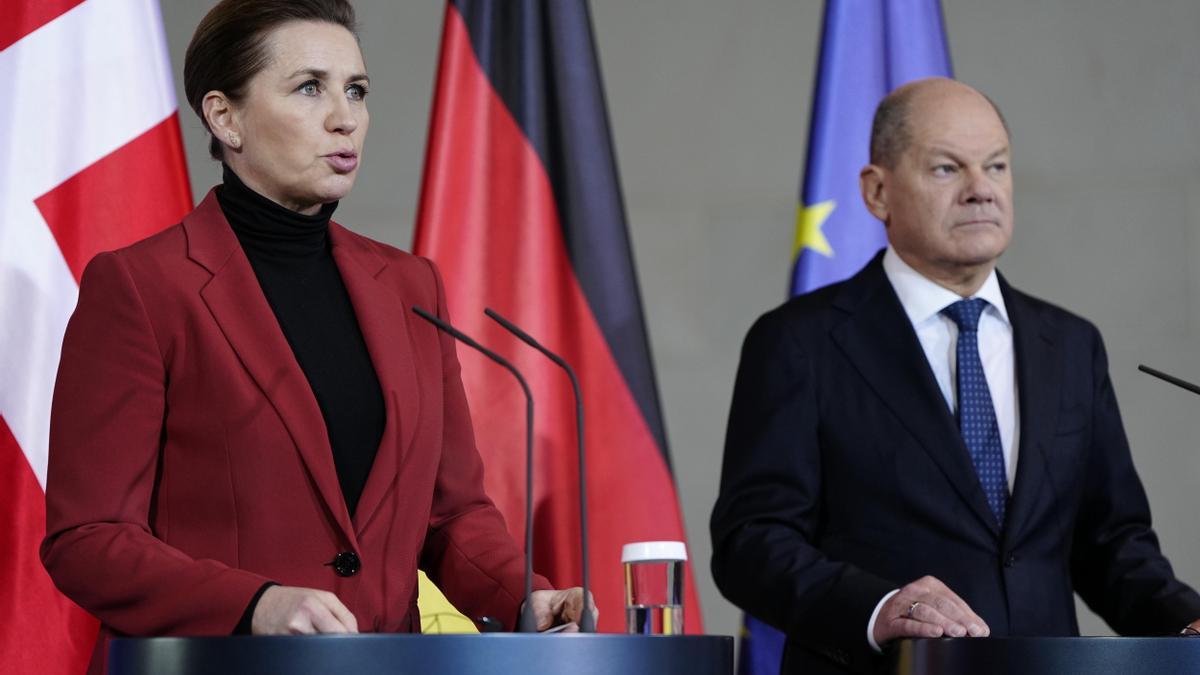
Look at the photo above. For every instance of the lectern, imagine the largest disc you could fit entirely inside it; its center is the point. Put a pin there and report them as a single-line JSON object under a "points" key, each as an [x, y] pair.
{"points": [[495, 654], [1049, 656]]}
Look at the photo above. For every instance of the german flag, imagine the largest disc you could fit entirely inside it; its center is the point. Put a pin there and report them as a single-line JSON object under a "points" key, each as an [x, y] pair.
{"points": [[521, 209]]}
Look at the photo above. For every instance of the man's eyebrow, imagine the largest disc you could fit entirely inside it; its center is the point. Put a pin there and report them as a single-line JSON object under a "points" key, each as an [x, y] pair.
{"points": [[944, 152], [940, 150], [996, 153]]}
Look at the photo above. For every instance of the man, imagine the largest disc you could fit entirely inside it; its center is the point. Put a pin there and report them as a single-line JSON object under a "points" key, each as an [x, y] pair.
{"points": [[922, 450]]}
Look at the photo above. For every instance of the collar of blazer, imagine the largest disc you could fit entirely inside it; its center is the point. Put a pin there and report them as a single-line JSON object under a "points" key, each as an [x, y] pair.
{"points": [[235, 299], [878, 340]]}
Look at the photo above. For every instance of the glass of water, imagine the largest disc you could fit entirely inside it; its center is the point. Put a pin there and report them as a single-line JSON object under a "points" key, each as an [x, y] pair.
{"points": [[654, 587]]}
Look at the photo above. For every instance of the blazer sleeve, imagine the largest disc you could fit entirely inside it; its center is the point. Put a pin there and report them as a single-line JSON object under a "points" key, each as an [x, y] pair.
{"points": [[1116, 563], [106, 426], [468, 550], [768, 515]]}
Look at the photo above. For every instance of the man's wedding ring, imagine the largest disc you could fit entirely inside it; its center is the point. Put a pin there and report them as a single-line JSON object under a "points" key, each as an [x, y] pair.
{"points": [[912, 608]]}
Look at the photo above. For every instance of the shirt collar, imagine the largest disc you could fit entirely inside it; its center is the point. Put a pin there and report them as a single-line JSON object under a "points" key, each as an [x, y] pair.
{"points": [[923, 299]]}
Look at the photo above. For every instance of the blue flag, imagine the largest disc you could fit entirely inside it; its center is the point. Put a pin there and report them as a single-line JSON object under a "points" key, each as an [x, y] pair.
{"points": [[868, 48]]}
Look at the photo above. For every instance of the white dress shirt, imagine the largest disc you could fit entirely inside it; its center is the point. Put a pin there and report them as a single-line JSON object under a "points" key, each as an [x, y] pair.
{"points": [[923, 300]]}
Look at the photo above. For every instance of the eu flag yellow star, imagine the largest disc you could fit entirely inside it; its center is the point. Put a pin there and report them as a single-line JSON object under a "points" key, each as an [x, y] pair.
{"points": [[809, 220]]}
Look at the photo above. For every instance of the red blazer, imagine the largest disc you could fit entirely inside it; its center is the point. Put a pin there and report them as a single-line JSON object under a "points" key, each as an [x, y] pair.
{"points": [[189, 462]]}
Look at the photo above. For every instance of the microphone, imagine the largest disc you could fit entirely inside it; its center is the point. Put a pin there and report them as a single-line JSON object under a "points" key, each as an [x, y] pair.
{"points": [[1183, 384], [587, 623], [528, 622]]}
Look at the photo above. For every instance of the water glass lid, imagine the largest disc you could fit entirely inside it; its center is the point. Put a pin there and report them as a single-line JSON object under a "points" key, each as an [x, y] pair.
{"points": [[653, 551]]}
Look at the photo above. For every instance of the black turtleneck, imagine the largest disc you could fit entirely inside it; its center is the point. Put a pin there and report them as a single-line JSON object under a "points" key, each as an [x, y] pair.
{"points": [[291, 256]]}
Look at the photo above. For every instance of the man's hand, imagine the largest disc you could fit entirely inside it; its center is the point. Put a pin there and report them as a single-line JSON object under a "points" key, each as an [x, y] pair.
{"points": [[553, 608], [926, 608], [289, 610]]}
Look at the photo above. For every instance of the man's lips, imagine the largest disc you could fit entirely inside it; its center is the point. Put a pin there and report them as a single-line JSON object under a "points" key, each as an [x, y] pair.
{"points": [[344, 161]]}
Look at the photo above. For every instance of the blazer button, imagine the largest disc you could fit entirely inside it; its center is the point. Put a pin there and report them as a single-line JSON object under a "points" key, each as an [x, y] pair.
{"points": [[346, 564], [1010, 560]]}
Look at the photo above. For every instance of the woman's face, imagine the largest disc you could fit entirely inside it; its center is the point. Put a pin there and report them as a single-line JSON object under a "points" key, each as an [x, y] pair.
{"points": [[303, 117]]}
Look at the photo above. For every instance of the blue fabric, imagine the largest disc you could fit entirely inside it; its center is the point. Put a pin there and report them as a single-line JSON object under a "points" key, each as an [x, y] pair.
{"points": [[868, 48], [762, 648], [976, 414]]}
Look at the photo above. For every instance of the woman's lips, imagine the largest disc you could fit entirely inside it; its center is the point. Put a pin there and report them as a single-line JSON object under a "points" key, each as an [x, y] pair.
{"points": [[343, 162]]}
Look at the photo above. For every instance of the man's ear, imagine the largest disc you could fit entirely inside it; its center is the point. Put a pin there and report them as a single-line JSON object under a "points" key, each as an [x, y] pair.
{"points": [[872, 181], [222, 119]]}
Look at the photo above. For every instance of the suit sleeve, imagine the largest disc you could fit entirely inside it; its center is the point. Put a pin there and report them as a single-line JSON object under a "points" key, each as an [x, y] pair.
{"points": [[768, 516], [468, 550], [1116, 562], [106, 426]]}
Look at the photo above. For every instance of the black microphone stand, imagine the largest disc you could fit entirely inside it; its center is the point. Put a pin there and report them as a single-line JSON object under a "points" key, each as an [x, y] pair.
{"points": [[587, 623], [1182, 384], [528, 622]]}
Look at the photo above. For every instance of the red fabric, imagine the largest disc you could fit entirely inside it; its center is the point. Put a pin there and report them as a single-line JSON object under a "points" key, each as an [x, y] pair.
{"points": [[189, 463], [489, 220], [25, 16], [104, 197], [44, 632]]}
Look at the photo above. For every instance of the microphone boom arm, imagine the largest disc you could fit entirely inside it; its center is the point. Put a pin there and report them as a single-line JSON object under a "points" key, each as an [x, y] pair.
{"points": [[1182, 384], [528, 622], [587, 623]]}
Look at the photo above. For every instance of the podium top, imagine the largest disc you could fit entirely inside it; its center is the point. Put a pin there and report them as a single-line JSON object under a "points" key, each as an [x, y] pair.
{"points": [[1050, 656], [584, 654]]}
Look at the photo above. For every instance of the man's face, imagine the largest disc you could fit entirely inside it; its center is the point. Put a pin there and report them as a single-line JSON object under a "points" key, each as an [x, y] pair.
{"points": [[947, 203]]}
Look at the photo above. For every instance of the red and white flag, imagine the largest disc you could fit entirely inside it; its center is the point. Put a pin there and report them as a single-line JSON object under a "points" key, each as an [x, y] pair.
{"points": [[90, 160]]}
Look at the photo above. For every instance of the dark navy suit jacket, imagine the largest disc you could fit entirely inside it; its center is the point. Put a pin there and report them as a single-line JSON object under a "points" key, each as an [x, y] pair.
{"points": [[845, 477]]}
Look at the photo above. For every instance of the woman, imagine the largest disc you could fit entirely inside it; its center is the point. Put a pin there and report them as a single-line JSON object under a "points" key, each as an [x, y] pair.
{"points": [[250, 432]]}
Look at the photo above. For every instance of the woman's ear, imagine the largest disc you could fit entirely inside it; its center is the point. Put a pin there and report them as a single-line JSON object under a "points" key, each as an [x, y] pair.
{"points": [[222, 119]]}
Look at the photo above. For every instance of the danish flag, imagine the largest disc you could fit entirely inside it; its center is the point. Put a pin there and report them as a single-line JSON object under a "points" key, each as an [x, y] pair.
{"points": [[90, 160]]}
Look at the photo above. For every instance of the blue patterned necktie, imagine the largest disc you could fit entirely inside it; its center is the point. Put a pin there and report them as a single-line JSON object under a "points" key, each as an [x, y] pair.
{"points": [[976, 415]]}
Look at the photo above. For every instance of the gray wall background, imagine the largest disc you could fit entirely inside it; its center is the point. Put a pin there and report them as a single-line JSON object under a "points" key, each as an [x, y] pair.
{"points": [[709, 101]]}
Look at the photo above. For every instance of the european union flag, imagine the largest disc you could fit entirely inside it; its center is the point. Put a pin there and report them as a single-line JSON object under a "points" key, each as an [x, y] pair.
{"points": [[868, 48]]}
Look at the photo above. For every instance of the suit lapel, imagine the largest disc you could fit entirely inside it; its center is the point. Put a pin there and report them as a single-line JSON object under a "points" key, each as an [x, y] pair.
{"points": [[879, 341], [383, 318], [1039, 378], [237, 303]]}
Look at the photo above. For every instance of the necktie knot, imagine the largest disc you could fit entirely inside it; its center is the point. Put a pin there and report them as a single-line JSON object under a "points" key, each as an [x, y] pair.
{"points": [[965, 313]]}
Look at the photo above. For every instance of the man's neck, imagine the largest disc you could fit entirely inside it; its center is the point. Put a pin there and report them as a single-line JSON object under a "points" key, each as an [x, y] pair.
{"points": [[963, 280]]}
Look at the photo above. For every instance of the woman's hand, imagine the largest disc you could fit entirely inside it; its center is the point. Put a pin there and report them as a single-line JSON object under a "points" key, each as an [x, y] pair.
{"points": [[554, 608], [290, 610]]}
